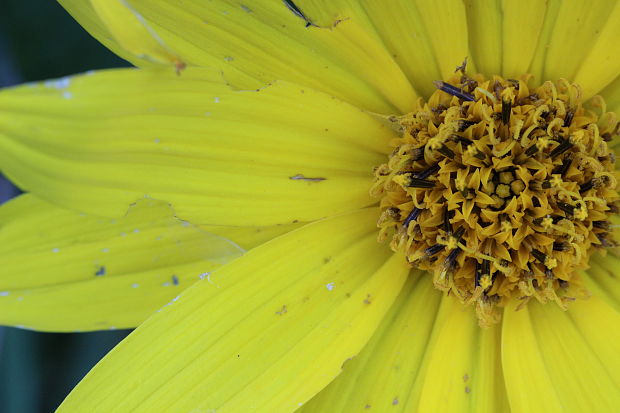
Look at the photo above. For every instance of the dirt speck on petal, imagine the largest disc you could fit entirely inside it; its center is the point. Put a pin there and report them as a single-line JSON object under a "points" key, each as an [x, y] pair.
{"points": [[301, 177]]}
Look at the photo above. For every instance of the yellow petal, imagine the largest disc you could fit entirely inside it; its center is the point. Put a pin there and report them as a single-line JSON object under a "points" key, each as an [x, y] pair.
{"points": [[601, 64], [83, 11], [462, 370], [386, 369], [427, 39], [133, 32], [550, 364], [611, 94], [446, 22], [522, 24], [594, 319], [257, 42], [325, 13], [602, 278], [98, 142], [484, 25], [575, 29], [423, 358], [528, 384], [251, 237], [408, 39], [270, 330], [65, 271], [537, 65], [568, 35]]}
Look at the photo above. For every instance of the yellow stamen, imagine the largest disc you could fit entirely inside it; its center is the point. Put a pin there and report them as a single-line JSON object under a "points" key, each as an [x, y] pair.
{"points": [[520, 169]]}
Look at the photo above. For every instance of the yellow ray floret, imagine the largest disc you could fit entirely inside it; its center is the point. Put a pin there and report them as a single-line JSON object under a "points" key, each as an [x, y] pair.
{"points": [[65, 271], [287, 315], [134, 33]]}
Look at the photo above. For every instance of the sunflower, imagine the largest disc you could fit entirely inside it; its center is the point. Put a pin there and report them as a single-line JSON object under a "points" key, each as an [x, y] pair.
{"points": [[314, 206]]}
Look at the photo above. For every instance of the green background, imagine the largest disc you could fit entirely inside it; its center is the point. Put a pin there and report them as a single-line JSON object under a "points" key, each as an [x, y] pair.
{"points": [[39, 40]]}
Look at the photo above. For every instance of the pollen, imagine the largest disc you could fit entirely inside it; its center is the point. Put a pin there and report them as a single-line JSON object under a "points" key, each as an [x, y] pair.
{"points": [[500, 190]]}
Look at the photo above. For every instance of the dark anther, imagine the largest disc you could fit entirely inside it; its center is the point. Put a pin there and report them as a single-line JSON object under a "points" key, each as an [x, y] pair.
{"points": [[413, 215], [430, 251], [497, 88], [464, 124], [457, 138], [482, 270], [561, 148], [607, 136], [540, 256], [556, 218], [514, 83], [602, 237], [528, 100], [562, 169], [484, 224], [586, 186], [549, 274], [603, 181], [480, 155], [546, 184], [427, 172], [453, 90], [417, 154], [459, 233], [506, 110], [535, 186], [567, 208], [447, 152], [420, 183], [439, 108], [486, 267], [447, 227], [561, 246], [468, 83], [563, 284], [394, 212], [450, 261], [568, 119], [531, 150], [601, 224]]}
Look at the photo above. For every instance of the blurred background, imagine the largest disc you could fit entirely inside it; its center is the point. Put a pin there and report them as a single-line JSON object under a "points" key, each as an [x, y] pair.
{"points": [[39, 40]]}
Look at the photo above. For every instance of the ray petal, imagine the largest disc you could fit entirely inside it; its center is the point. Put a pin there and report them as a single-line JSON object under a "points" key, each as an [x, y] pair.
{"points": [[269, 331], [66, 271], [98, 142]]}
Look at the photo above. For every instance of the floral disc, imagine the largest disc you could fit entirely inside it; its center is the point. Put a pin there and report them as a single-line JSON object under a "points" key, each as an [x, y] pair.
{"points": [[502, 191]]}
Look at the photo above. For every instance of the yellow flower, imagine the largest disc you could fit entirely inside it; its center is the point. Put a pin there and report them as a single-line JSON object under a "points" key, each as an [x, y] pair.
{"points": [[257, 126]]}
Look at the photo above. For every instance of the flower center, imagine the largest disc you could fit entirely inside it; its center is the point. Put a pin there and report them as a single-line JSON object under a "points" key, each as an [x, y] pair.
{"points": [[500, 190]]}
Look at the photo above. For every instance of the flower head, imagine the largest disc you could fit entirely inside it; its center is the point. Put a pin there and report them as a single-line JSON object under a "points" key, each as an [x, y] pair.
{"points": [[227, 187], [500, 191]]}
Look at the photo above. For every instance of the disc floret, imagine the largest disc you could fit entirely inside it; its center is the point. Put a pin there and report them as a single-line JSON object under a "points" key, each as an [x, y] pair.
{"points": [[501, 191]]}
